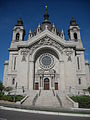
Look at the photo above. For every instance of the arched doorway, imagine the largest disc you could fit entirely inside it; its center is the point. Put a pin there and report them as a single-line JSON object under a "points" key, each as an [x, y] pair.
{"points": [[46, 84]]}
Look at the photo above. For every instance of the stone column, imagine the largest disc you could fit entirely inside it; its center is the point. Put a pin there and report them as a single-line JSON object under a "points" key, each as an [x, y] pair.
{"points": [[40, 82], [62, 78], [28, 75], [31, 75], [42, 87], [52, 82]]}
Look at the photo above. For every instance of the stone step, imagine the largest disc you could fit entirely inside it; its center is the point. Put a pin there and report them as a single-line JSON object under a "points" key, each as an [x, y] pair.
{"points": [[47, 99], [30, 98]]}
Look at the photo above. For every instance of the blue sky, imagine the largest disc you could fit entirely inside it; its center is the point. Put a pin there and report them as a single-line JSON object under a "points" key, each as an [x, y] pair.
{"points": [[31, 12]]}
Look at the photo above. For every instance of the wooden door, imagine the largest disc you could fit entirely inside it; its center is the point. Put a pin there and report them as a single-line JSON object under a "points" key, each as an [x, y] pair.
{"points": [[36, 86], [56, 86], [46, 84]]}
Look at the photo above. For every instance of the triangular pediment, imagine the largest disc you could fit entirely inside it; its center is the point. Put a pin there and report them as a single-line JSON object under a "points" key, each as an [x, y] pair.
{"points": [[47, 35], [46, 38]]}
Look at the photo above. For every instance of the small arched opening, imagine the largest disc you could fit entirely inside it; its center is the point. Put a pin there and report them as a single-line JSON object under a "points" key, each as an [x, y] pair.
{"points": [[75, 36], [17, 37]]}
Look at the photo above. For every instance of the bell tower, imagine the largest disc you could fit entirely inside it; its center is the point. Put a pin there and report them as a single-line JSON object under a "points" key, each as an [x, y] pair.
{"points": [[74, 32], [18, 31]]}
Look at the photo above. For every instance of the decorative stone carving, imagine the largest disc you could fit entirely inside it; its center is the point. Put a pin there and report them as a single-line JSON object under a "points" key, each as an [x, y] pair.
{"points": [[24, 53], [69, 53], [23, 58], [46, 41], [69, 58]]}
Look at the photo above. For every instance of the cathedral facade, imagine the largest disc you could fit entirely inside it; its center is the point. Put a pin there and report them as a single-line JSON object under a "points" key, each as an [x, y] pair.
{"points": [[46, 68]]}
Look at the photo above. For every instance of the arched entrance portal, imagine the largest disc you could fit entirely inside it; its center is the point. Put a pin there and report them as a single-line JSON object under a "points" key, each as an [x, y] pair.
{"points": [[46, 73], [46, 84]]}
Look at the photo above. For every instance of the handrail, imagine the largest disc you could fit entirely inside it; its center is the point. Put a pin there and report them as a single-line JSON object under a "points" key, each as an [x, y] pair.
{"points": [[23, 99], [59, 100], [39, 92], [35, 98], [53, 92]]}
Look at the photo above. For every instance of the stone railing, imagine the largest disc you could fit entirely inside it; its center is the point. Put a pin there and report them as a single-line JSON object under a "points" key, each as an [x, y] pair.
{"points": [[74, 104]]}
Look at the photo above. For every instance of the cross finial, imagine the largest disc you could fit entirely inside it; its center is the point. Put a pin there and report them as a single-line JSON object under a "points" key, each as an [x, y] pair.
{"points": [[46, 16], [30, 31], [46, 6]]}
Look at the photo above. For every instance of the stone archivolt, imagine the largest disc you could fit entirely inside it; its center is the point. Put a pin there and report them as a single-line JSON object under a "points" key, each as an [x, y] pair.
{"points": [[46, 41]]}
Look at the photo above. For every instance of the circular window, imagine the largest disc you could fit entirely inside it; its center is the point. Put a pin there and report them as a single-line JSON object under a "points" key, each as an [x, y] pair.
{"points": [[46, 61]]}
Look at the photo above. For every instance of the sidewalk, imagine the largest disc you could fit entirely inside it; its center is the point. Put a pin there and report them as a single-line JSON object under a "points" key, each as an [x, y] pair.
{"points": [[73, 111], [45, 112]]}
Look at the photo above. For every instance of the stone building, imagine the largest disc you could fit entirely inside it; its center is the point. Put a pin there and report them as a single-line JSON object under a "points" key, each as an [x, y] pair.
{"points": [[47, 68]]}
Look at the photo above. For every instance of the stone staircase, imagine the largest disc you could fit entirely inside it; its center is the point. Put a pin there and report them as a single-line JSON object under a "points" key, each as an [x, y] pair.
{"points": [[30, 99], [66, 101], [47, 99]]}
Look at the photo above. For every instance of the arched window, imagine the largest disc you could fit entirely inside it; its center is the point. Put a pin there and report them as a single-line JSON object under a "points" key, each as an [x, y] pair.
{"points": [[75, 36], [78, 62], [17, 36], [13, 81], [14, 63], [79, 81], [38, 29]]}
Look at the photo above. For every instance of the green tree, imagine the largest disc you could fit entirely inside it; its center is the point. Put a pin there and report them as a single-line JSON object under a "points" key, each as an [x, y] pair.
{"points": [[89, 90], [1, 87], [8, 89]]}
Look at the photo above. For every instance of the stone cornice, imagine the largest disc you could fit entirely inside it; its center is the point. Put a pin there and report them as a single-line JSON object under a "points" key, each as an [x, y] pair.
{"points": [[48, 34], [52, 36], [12, 49], [80, 49], [42, 35]]}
